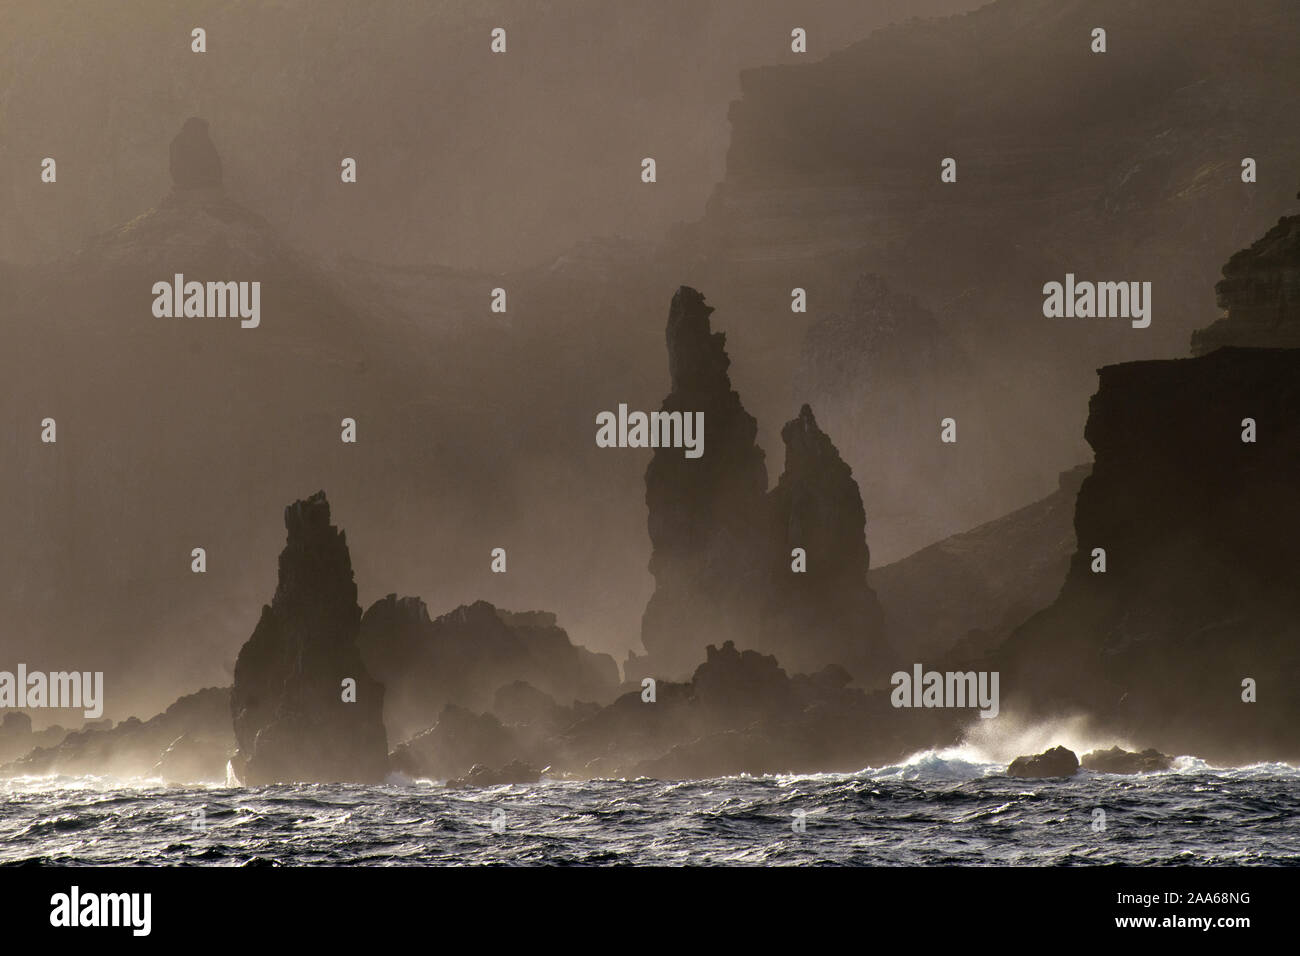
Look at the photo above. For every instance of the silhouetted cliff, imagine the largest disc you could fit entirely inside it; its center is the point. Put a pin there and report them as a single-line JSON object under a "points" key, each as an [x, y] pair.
{"points": [[1199, 530], [1260, 292]]}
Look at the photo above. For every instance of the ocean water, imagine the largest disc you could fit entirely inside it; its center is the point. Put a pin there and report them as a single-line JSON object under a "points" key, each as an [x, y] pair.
{"points": [[934, 809]]}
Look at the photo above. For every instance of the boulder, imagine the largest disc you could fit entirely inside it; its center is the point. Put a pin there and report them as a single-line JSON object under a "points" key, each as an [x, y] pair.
{"points": [[1116, 760], [1056, 762]]}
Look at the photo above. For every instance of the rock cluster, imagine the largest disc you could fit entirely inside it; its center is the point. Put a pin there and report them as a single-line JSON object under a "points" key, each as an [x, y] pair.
{"points": [[465, 657], [1260, 292], [189, 742], [724, 549]]}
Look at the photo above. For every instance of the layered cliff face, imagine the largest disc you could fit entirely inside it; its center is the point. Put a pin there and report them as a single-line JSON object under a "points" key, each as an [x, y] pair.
{"points": [[304, 706], [820, 609], [1122, 165], [1198, 595], [465, 657], [706, 514], [1260, 292]]}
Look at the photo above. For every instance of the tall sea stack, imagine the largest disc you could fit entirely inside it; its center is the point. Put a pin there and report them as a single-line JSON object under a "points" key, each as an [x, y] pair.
{"points": [[823, 612], [706, 514], [305, 708]]}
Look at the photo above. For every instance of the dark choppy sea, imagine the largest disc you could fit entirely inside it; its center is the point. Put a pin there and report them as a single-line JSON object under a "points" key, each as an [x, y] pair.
{"points": [[932, 810]]}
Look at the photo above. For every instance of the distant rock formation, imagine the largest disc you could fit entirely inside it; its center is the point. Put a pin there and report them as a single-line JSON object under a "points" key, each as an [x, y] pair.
{"points": [[292, 721], [827, 612], [991, 579], [1260, 291], [195, 163], [189, 742], [706, 515], [1116, 760], [1056, 762], [467, 655], [15, 735]]}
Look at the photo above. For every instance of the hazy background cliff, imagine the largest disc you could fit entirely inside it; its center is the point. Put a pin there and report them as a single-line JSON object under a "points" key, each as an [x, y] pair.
{"points": [[476, 171]]}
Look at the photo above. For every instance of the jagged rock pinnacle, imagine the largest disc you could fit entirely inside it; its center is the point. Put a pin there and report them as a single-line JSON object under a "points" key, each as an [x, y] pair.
{"points": [[195, 163]]}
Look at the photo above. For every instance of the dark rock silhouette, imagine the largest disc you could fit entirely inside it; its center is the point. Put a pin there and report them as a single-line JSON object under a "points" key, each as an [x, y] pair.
{"points": [[458, 742], [195, 163], [189, 742], [1116, 760], [722, 545], [1198, 597], [706, 515], [467, 655], [1260, 291], [191, 757], [16, 736], [1056, 762], [291, 720], [826, 613], [481, 776], [734, 688]]}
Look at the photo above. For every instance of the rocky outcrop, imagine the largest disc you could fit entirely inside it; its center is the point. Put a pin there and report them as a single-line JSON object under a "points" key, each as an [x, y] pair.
{"points": [[305, 707], [742, 713], [458, 742], [1116, 760], [467, 655], [516, 772], [706, 515], [1056, 762], [1260, 293], [189, 742], [821, 609]]}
